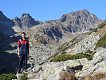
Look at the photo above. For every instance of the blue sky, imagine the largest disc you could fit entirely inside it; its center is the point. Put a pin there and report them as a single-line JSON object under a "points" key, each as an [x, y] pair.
{"points": [[51, 9]]}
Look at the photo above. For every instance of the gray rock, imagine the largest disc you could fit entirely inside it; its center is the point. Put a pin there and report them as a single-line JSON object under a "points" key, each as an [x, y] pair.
{"points": [[98, 64], [99, 56], [79, 21], [86, 43], [51, 70]]}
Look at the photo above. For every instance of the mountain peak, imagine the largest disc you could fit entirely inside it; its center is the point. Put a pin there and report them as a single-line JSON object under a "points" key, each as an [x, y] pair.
{"points": [[3, 18], [25, 15], [1, 13], [82, 15], [25, 21], [85, 10], [5, 24]]}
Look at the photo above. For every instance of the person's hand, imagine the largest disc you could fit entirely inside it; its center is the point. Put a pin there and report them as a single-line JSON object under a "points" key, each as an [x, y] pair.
{"points": [[18, 54]]}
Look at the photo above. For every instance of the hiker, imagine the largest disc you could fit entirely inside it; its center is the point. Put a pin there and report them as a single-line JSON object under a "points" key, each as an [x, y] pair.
{"points": [[23, 52]]}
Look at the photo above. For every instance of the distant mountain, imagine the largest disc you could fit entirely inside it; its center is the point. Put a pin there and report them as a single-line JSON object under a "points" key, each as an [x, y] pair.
{"points": [[79, 21], [25, 21]]}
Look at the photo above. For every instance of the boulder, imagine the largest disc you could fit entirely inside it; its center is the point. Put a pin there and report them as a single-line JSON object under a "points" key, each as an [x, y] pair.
{"points": [[98, 64], [51, 70]]}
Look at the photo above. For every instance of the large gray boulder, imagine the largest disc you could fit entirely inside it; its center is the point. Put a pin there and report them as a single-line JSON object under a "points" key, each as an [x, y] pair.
{"points": [[51, 70], [86, 43], [98, 64], [99, 56]]}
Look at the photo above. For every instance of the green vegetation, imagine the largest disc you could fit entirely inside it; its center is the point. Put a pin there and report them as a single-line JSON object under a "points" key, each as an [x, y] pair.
{"points": [[63, 57], [7, 76], [63, 47], [61, 50], [24, 76], [66, 45], [101, 42]]}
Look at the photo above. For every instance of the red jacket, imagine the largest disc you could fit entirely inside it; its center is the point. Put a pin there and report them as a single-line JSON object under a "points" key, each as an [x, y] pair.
{"points": [[20, 41]]}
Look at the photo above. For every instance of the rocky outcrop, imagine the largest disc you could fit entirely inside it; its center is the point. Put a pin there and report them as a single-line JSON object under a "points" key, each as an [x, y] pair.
{"points": [[51, 70], [78, 67], [99, 56], [87, 43], [97, 64]]}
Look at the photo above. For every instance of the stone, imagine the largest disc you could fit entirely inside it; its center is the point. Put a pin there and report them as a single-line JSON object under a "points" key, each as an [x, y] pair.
{"points": [[99, 56], [51, 70], [97, 64]]}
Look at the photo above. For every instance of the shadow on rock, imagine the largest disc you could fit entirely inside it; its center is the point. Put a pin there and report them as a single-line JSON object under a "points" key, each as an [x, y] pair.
{"points": [[8, 62], [74, 69]]}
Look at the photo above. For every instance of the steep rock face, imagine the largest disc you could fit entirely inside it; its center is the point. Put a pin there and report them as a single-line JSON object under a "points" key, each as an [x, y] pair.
{"points": [[87, 43], [6, 24], [96, 65], [51, 70], [5, 20]]}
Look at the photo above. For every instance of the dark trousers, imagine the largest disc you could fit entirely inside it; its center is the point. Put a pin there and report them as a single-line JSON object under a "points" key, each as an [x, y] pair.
{"points": [[22, 62]]}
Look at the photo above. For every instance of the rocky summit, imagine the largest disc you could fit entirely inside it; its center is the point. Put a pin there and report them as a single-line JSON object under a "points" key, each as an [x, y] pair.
{"points": [[70, 48], [25, 21]]}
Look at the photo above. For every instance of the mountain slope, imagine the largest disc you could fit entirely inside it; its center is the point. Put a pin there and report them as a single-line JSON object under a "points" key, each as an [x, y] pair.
{"points": [[6, 25], [88, 41]]}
